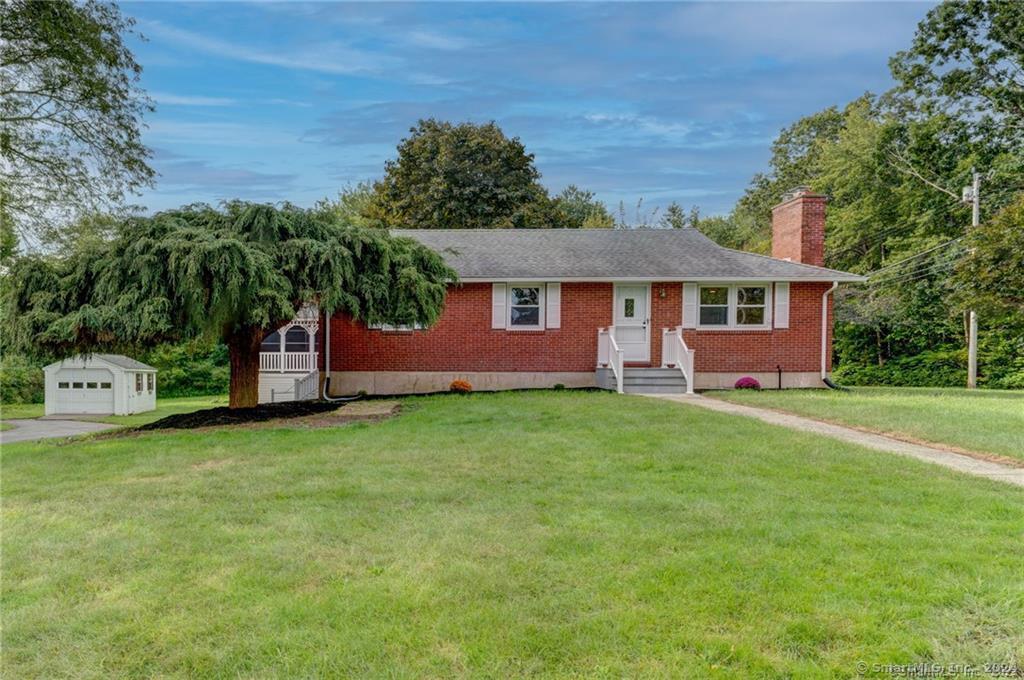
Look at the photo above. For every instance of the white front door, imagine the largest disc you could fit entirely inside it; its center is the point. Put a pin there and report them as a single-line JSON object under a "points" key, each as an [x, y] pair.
{"points": [[632, 325]]}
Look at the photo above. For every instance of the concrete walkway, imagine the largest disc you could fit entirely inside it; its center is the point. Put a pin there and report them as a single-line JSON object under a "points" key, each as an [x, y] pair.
{"points": [[929, 454], [29, 429]]}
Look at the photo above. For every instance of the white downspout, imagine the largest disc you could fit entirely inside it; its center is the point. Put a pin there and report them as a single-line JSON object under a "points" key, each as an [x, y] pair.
{"points": [[824, 329], [327, 363]]}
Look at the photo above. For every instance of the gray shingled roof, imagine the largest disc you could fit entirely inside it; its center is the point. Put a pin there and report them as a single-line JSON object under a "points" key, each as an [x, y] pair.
{"points": [[125, 362], [489, 254], [119, 360]]}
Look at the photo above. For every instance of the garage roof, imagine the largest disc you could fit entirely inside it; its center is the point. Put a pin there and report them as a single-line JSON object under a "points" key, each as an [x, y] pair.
{"points": [[118, 360], [125, 362]]}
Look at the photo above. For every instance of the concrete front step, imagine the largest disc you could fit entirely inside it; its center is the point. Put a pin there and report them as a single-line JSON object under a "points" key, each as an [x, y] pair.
{"points": [[653, 381], [645, 380], [652, 372]]}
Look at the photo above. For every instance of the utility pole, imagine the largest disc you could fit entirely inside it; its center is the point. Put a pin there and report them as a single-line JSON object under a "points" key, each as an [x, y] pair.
{"points": [[972, 195]]}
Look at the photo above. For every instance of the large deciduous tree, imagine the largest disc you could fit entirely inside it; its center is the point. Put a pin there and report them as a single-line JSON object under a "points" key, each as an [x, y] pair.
{"points": [[795, 154], [465, 176], [582, 210], [235, 273], [967, 60], [992, 273], [70, 111]]}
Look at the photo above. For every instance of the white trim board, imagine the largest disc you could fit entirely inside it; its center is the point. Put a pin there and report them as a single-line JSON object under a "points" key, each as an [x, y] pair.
{"points": [[665, 279]]}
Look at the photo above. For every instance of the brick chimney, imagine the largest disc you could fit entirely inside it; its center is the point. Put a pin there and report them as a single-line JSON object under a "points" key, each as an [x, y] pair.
{"points": [[798, 227]]}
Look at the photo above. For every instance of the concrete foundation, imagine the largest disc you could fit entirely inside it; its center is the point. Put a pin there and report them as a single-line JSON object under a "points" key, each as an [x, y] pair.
{"points": [[769, 380], [425, 382]]}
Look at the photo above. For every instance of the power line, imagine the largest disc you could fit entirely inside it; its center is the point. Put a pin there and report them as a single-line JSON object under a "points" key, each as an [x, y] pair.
{"points": [[920, 267], [935, 268], [999, 195], [873, 240], [922, 275], [914, 257]]}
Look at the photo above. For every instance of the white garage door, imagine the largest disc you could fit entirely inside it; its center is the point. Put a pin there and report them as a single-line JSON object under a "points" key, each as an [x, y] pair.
{"points": [[85, 390]]}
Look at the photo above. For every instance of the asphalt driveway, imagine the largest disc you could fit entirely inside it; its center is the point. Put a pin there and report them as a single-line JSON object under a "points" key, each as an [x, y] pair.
{"points": [[29, 429]]}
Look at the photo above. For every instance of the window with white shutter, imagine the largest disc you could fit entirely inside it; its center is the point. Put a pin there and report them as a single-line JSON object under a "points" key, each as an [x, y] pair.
{"points": [[554, 305], [782, 304], [689, 305], [498, 305]]}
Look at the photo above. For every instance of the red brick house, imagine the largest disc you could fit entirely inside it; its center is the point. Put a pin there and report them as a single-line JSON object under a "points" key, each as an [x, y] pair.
{"points": [[634, 310]]}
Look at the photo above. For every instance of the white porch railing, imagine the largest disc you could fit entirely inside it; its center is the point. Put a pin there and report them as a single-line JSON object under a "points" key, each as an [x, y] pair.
{"points": [[304, 389], [609, 355], [674, 352], [287, 362]]}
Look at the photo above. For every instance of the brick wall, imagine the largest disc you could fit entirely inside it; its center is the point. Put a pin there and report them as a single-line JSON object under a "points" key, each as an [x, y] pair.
{"points": [[666, 312], [797, 348], [463, 339]]}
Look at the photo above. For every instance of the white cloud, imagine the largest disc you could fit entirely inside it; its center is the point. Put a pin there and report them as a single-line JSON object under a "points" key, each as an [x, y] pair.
{"points": [[329, 57], [195, 173], [190, 100], [438, 41], [428, 79], [217, 134], [643, 123], [289, 102], [795, 30]]}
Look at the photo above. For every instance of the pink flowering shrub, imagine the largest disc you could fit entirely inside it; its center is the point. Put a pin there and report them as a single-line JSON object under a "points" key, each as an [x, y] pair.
{"points": [[747, 383]]}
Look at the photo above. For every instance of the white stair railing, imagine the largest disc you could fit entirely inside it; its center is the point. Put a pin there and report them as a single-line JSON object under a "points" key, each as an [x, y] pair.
{"points": [[674, 352], [303, 389], [609, 355]]}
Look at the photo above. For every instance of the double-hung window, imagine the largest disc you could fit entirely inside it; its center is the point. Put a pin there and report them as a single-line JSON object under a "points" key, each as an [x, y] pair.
{"points": [[733, 306], [526, 306], [751, 305], [714, 305]]}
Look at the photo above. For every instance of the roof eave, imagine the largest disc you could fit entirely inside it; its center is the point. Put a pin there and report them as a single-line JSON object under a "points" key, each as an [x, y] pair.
{"points": [[841, 278]]}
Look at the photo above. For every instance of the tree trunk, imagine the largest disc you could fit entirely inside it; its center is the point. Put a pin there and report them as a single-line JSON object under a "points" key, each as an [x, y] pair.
{"points": [[244, 351]]}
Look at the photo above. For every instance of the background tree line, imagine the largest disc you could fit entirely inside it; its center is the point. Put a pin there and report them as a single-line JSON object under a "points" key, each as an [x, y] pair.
{"points": [[893, 165]]}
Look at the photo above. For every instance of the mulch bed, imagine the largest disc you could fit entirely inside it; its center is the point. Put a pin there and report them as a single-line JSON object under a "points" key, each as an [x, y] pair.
{"points": [[222, 415]]}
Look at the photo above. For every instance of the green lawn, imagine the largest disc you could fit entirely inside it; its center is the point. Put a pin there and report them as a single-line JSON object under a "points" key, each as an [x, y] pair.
{"points": [[988, 421], [540, 533], [164, 407]]}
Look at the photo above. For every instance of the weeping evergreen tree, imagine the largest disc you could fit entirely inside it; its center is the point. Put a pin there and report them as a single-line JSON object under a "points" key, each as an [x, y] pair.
{"points": [[236, 272]]}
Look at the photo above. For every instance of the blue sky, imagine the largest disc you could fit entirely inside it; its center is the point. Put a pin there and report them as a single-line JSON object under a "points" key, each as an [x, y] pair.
{"points": [[661, 101]]}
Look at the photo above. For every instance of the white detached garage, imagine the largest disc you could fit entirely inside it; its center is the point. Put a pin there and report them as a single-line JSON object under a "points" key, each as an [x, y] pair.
{"points": [[100, 384]]}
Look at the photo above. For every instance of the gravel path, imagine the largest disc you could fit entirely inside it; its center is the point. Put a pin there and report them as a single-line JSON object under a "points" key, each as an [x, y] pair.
{"points": [[929, 454]]}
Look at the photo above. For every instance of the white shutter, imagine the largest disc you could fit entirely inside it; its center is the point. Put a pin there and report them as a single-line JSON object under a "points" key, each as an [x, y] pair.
{"points": [[554, 303], [498, 305], [782, 304], [689, 305]]}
